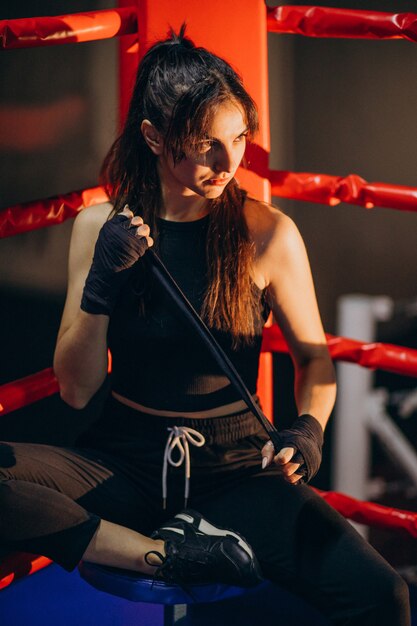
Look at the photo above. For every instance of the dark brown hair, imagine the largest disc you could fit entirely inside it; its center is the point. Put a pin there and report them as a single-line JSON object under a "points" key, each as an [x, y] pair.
{"points": [[178, 88]]}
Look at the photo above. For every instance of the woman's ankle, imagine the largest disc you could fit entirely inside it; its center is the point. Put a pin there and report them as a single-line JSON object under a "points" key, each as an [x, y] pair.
{"points": [[153, 557]]}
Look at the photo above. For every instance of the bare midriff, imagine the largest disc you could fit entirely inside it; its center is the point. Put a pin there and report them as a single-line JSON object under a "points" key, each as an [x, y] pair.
{"points": [[218, 411]]}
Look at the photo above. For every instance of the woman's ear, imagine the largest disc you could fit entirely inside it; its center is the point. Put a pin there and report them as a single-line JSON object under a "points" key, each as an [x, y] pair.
{"points": [[152, 137]]}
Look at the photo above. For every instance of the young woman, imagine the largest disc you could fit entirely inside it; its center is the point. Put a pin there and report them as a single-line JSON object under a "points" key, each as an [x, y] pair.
{"points": [[171, 177]]}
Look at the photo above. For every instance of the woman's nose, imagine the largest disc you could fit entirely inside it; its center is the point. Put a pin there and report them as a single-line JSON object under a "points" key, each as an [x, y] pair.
{"points": [[224, 161]]}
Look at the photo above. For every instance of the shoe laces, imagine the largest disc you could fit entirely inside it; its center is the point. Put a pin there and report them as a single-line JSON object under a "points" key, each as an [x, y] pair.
{"points": [[164, 572]]}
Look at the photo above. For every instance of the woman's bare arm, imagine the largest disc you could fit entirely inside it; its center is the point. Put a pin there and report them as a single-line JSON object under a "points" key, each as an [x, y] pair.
{"points": [[80, 360], [281, 264], [294, 304]]}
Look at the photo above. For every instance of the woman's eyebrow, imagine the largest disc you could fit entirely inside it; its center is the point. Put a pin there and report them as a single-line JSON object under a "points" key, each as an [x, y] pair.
{"points": [[210, 138]]}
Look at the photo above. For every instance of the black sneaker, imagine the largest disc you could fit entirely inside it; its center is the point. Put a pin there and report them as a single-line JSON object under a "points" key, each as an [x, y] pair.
{"points": [[198, 552]]}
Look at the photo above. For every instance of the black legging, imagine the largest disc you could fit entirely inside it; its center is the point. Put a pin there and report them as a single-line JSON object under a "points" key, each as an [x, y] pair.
{"points": [[52, 499]]}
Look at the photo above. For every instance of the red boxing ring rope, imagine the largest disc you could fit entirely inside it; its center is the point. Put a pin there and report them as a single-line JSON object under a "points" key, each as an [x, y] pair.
{"points": [[22, 218], [328, 189], [24, 391], [19, 565], [388, 357], [342, 23], [75, 28], [333, 190], [311, 21], [371, 514]]}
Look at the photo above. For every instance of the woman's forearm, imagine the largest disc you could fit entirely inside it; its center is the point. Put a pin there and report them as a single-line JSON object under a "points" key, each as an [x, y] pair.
{"points": [[80, 360], [315, 388]]}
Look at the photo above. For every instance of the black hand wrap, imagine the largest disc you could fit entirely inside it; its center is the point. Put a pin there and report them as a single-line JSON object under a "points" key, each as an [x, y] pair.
{"points": [[118, 247], [306, 437]]}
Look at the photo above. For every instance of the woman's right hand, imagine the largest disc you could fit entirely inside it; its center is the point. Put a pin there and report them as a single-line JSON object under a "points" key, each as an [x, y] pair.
{"points": [[120, 243]]}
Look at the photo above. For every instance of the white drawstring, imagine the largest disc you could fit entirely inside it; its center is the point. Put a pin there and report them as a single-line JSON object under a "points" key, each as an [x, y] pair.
{"points": [[179, 437]]}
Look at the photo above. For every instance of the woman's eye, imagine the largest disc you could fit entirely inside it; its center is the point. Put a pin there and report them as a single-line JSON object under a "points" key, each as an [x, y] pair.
{"points": [[210, 144]]}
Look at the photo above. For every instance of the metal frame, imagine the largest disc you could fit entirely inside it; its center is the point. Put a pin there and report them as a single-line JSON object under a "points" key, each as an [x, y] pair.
{"points": [[360, 409]]}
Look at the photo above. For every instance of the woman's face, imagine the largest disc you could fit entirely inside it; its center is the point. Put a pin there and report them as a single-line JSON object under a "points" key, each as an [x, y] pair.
{"points": [[207, 171]]}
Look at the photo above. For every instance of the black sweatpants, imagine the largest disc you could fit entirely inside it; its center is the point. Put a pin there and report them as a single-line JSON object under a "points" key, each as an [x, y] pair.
{"points": [[52, 500]]}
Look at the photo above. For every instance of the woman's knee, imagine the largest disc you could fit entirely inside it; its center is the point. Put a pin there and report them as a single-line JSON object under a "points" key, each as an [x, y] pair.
{"points": [[399, 594], [391, 600]]}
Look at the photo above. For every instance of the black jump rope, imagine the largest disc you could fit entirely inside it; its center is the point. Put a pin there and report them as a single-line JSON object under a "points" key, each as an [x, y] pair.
{"points": [[161, 273]]}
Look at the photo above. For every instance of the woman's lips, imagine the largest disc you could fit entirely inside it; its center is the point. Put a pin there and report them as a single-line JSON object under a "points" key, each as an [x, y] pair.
{"points": [[218, 181]]}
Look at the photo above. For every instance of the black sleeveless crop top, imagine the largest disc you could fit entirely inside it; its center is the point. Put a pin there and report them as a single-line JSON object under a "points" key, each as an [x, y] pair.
{"points": [[159, 361]]}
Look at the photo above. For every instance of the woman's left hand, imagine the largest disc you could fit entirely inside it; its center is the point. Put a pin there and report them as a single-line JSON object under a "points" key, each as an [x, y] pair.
{"points": [[287, 468], [298, 446]]}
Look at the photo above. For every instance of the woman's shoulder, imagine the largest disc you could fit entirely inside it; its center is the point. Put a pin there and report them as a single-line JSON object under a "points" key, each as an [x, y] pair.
{"points": [[94, 215], [279, 247], [267, 224], [85, 231], [89, 221]]}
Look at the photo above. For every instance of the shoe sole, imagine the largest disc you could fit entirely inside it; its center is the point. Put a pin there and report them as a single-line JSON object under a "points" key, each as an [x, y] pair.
{"points": [[206, 528]]}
